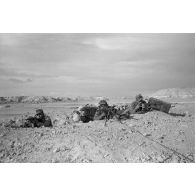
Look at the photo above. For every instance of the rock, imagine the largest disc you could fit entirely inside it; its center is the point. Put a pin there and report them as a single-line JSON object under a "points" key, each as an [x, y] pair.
{"points": [[187, 114], [47, 148], [56, 150], [131, 125], [54, 161], [12, 144], [162, 137], [159, 159], [147, 134], [175, 159], [2, 154], [86, 161]]}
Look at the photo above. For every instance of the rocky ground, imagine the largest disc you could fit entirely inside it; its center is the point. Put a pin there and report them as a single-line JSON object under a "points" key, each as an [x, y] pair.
{"points": [[150, 137]]}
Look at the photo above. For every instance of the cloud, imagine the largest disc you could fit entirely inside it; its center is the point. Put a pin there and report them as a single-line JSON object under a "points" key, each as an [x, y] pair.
{"points": [[107, 43], [126, 41], [79, 80], [90, 63], [20, 81], [6, 71], [10, 39]]}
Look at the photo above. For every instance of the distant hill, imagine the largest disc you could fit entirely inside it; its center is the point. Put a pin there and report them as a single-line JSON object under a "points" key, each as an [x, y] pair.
{"points": [[175, 93], [43, 99]]}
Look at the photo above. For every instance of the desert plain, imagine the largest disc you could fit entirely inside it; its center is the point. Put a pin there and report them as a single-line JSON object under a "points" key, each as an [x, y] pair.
{"points": [[153, 137]]}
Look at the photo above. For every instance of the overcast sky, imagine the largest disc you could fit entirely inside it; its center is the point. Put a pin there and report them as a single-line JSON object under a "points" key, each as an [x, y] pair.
{"points": [[95, 64]]}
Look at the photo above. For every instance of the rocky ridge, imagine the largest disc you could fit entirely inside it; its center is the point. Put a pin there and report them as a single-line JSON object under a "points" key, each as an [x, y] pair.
{"points": [[175, 93]]}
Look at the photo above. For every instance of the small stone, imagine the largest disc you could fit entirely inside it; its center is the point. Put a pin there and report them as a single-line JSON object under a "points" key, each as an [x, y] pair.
{"points": [[159, 159], [85, 160], [48, 148], [162, 137], [54, 161], [147, 134], [2, 155], [147, 158], [130, 125], [175, 159], [12, 144], [106, 155], [56, 150]]}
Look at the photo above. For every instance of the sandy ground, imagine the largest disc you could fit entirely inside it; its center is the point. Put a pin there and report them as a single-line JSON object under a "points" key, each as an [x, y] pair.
{"points": [[150, 137]]}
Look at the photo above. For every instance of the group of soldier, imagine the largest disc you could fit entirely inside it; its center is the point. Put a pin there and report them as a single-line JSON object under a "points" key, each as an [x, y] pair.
{"points": [[104, 111], [90, 113]]}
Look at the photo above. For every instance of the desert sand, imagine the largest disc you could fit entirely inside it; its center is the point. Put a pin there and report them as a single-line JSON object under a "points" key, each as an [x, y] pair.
{"points": [[151, 137]]}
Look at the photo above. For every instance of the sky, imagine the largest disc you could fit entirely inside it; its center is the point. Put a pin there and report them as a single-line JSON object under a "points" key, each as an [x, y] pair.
{"points": [[110, 65]]}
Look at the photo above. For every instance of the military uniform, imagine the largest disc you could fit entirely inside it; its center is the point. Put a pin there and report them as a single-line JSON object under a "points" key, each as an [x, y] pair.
{"points": [[139, 106], [39, 120], [87, 113], [102, 110]]}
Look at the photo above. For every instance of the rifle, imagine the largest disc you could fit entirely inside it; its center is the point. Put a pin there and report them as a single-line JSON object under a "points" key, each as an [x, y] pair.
{"points": [[32, 121]]}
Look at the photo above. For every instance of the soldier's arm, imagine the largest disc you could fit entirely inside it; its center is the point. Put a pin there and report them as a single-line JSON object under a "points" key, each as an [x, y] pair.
{"points": [[99, 116], [138, 107], [127, 110], [31, 119]]}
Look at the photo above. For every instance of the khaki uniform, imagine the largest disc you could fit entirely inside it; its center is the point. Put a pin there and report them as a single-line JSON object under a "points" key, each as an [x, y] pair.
{"points": [[101, 113], [87, 113], [39, 120], [139, 106]]}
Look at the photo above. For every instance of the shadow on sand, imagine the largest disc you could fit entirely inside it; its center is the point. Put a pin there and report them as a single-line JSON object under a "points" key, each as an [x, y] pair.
{"points": [[175, 114]]}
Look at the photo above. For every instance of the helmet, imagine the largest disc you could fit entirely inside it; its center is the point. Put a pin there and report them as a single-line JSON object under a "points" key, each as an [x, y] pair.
{"points": [[39, 111], [139, 97], [39, 114], [103, 103]]}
